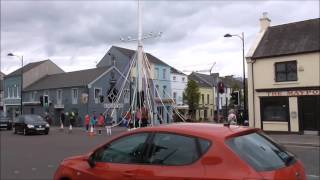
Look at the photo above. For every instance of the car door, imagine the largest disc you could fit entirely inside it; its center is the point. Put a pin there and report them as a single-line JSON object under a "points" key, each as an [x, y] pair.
{"points": [[172, 156], [118, 159]]}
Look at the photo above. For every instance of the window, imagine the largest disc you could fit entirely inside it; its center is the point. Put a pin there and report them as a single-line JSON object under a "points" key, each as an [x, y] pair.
{"points": [[164, 91], [174, 78], [59, 96], [275, 109], [183, 79], [15, 91], [157, 73], [208, 99], [46, 92], [33, 96], [74, 96], [9, 92], [260, 152], [173, 149], [126, 96], [164, 71], [202, 98], [175, 97], [129, 149], [157, 91], [286, 71], [97, 94]]}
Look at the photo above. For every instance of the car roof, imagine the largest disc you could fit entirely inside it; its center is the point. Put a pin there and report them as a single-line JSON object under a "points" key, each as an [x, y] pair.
{"points": [[205, 130]]}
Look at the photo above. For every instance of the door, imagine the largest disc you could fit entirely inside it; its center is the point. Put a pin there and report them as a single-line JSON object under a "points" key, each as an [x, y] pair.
{"points": [[309, 113], [118, 159]]}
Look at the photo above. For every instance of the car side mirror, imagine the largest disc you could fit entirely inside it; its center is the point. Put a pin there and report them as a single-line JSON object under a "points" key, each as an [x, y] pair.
{"points": [[91, 161]]}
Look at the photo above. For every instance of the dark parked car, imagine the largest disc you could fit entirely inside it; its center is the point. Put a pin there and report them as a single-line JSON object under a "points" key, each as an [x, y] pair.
{"points": [[31, 123], [5, 122]]}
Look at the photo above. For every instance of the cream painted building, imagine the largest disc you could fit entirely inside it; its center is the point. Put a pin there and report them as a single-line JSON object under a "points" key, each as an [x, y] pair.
{"points": [[284, 78], [206, 105]]}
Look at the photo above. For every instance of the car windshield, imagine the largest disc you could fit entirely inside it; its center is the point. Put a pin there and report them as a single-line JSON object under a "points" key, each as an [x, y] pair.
{"points": [[33, 119], [261, 152]]}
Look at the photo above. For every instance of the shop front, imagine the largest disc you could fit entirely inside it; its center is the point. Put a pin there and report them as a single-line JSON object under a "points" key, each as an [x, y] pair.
{"points": [[287, 110]]}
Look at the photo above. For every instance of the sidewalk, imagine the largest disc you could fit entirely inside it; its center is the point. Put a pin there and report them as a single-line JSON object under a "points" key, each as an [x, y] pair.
{"points": [[298, 140]]}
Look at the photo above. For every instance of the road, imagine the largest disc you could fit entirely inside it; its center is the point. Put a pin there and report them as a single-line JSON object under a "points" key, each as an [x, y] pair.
{"points": [[310, 156], [37, 156]]}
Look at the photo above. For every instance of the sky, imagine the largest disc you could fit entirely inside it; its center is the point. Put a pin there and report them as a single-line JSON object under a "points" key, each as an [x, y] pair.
{"points": [[76, 34]]}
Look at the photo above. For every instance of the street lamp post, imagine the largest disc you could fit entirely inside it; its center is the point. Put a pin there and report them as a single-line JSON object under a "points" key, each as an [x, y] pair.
{"points": [[21, 81], [244, 76]]}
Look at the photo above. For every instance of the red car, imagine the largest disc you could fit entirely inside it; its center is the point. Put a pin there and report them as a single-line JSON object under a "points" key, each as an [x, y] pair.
{"points": [[185, 151]]}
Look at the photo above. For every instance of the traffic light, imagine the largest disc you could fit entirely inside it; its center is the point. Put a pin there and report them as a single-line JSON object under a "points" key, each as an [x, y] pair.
{"points": [[46, 101], [221, 87], [235, 97]]}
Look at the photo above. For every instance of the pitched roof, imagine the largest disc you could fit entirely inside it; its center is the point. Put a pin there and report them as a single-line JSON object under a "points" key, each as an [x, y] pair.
{"points": [[69, 79], [129, 53], [292, 38], [176, 71], [204, 80], [27, 67], [230, 82]]}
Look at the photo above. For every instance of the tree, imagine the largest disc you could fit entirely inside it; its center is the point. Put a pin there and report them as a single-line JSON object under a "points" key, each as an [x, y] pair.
{"points": [[192, 95]]}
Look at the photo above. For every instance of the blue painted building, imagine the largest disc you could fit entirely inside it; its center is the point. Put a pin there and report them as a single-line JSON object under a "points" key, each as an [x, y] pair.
{"points": [[160, 73]]}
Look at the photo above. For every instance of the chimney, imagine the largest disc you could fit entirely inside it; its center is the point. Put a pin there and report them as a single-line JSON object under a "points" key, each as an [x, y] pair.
{"points": [[264, 21]]}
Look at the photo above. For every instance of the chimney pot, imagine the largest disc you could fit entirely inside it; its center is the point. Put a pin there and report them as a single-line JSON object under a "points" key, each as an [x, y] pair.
{"points": [[264, 21]]}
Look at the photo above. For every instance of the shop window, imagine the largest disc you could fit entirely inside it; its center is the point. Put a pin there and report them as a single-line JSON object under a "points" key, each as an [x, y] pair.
{"points": [[286, 71], [274, 109]]}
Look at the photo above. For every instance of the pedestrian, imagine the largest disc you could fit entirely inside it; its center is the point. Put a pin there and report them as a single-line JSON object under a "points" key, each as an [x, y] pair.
{"points": [[138, 118], [101, 123], [108, 124], [232, 118], [62, 119], [144, 117], [87, 122], [92, 123], [71, 119]]}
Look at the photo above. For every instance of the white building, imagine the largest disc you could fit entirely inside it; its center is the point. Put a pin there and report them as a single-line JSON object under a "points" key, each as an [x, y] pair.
{"points": [[178, 82]]}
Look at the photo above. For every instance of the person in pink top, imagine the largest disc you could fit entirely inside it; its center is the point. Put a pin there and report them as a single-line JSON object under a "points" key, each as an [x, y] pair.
{"points": [[101, 123], [87, 122]]}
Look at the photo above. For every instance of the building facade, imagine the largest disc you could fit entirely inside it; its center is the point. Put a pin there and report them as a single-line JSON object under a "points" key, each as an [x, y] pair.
{"points": [[1, 91], [284, 78], [207, 89], [179, 82], [30, 73], [160, 78], [82, 92]]}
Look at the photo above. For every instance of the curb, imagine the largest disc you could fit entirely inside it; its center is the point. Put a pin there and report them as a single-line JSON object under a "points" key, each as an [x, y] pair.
{"points": [[299, 144]]}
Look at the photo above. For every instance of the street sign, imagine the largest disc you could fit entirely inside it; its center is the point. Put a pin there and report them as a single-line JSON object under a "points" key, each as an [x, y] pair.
{"points": [[112, 105]]}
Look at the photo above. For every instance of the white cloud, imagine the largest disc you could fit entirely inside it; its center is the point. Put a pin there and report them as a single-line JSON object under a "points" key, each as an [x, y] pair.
{"points": [[75, 35]]}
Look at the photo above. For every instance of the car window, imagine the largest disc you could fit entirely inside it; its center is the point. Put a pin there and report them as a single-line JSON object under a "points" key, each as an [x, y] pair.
{"points": [[128, 149], [33, 119], [204, 145], [173, 149], [260, 152]]}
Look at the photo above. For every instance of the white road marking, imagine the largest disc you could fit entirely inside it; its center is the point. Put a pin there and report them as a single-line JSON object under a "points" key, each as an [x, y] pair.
{"points": [[33, 169], [50, 166], [16, 172], [313, 176]]}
